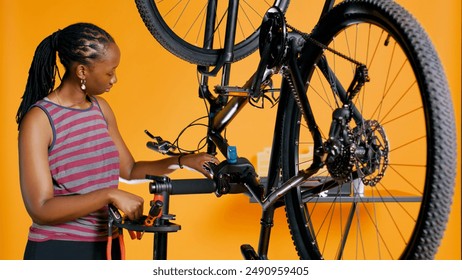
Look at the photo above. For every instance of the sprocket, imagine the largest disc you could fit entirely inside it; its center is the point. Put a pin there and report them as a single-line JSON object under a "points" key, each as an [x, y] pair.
{"points": [[340, 160]]}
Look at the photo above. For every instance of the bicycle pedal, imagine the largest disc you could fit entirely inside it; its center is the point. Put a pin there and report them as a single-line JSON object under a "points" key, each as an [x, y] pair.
{"points": [[248, 252]]}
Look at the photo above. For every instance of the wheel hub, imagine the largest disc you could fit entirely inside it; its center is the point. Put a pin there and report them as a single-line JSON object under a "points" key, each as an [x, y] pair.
{"points": [[372, 155], [363, 149]]}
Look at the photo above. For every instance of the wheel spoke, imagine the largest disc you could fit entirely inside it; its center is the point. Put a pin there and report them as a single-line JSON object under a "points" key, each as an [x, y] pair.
{"points": [[372, 212]]}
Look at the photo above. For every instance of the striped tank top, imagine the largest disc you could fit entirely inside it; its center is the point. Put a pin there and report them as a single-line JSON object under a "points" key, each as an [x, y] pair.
{"points": [[82, 159]]}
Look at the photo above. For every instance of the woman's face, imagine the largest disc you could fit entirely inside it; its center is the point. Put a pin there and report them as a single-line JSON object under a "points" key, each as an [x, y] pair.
{"points": [[102, 74]]}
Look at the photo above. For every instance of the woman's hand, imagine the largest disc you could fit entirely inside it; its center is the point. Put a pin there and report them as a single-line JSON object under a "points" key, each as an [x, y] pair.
{"points": [[130, 204], [200, 162]]}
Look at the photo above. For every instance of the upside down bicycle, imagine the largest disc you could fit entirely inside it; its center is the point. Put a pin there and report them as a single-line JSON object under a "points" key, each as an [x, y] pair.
{"points": [[363, 155]]}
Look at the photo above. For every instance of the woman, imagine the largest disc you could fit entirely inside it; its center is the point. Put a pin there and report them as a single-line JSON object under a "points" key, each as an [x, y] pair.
{"points": [[71, 153]]}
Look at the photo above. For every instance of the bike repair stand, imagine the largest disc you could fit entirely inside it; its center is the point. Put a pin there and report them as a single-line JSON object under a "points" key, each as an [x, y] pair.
{"points": [[158, 219], [161, 188]]}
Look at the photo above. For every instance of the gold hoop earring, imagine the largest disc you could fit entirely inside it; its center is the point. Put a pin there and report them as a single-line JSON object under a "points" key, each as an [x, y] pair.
{"points": [[82, 84]]}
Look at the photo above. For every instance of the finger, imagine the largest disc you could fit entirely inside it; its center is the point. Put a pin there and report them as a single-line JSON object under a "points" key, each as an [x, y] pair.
{"points": [[135, 216], [130, 216], [212, 159], [140, 212], [207, 170], [208, 175]]}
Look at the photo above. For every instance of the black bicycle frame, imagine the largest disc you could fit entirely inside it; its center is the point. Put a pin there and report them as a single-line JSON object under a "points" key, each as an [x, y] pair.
{"points": [[223, 110]]}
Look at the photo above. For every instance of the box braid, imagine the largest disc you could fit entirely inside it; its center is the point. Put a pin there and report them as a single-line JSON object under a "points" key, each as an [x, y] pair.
{"points": [[80, 43]]}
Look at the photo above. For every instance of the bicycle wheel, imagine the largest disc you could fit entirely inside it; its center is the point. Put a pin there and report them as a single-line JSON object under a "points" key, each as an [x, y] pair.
{"points": [[179, 27], [386, 193]]}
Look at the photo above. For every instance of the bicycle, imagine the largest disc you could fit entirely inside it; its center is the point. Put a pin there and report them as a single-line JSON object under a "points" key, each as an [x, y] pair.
{"points": [[340, 163]]}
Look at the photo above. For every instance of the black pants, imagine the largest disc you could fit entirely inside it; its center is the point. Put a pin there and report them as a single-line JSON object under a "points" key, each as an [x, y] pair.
{"points": [[70, 250]]}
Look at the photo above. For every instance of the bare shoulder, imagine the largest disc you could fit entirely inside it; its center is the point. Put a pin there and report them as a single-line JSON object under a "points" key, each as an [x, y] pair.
{"points": [[102, 103], [34, 117], [105, 106], [106, 109], [36, 126]]}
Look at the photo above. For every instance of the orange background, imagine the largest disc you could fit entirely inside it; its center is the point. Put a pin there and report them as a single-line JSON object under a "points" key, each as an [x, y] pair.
{"points": [[158, 92]]}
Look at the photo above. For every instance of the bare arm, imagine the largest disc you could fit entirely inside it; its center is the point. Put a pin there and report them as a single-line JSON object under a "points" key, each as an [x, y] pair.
{"points": [[131, 169], [35, 136]]}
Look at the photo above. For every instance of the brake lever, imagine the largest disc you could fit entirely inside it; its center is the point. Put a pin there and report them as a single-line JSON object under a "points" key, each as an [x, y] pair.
{"points": [[160, 145], [165, 147]]}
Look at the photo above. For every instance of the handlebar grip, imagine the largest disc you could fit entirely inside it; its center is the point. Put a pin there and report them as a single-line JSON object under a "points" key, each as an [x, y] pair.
{"points": [[153, 146]]}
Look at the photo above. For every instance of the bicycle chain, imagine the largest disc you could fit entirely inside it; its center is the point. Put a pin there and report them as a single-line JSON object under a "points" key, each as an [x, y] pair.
{"points": [[307, 37], [285, 73], [337, 170]]}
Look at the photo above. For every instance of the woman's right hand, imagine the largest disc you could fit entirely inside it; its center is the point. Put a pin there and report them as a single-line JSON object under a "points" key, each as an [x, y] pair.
{"points": [[130, 204]]}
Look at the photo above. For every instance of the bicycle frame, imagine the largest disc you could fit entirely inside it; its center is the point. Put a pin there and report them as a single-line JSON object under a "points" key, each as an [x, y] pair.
{"points": [[337, 160], [225, 107], [223, 110]]}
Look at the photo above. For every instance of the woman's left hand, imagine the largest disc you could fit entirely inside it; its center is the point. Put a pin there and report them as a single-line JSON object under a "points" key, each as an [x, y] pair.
{"points": [[200, 162]]}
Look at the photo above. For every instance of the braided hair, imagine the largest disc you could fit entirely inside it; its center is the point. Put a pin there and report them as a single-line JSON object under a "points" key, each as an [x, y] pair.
{"points": [[80, 43]]}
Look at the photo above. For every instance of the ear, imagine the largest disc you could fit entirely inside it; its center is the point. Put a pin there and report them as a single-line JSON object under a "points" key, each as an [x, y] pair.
{"points": [[81, 71]]}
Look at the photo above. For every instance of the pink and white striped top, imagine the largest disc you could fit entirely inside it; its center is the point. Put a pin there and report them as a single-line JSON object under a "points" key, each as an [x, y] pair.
{"points": [[82, 158]]}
